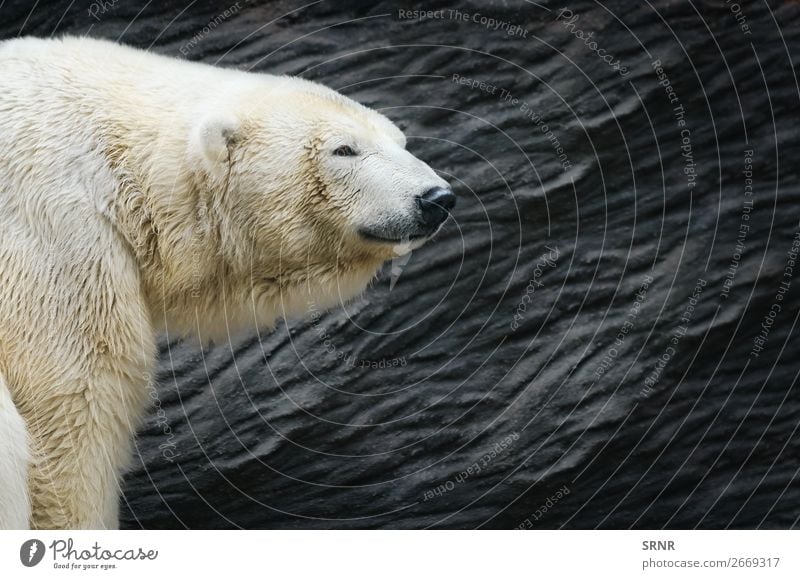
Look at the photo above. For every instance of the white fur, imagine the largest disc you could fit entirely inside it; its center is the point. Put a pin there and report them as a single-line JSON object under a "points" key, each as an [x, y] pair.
{"points": [[140, 193], [15, 505]]}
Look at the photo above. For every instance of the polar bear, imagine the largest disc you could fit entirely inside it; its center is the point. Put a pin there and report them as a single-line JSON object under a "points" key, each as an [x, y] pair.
{"points": [[140, 193]]}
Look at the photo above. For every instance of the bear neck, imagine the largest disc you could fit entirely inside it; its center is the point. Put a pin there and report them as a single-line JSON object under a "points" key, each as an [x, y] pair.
{"points": [[203, 277], [202, 274]]}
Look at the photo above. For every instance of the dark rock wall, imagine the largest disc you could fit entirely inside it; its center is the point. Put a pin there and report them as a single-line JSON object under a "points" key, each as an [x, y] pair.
{"points": [[582, 345]]}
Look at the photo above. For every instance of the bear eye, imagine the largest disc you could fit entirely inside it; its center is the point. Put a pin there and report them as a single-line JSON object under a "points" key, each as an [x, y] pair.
{"points": [[344, 151]]}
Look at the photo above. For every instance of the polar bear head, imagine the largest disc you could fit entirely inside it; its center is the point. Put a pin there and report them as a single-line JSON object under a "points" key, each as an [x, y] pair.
{"points": [[315, 187], [339, 172]]}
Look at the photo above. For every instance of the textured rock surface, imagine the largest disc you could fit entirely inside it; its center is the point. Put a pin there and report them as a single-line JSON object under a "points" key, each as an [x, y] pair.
{"points": [[481, 419]]}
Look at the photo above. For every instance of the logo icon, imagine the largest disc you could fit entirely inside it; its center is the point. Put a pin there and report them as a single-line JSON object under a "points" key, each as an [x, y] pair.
{"points": [[31, 553]]}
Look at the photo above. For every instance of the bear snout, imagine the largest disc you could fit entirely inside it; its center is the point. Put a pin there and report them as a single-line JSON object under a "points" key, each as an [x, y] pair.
{"points": [[435, 205]]}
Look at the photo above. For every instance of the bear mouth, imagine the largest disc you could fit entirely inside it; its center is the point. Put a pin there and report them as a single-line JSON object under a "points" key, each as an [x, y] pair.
{"points": [[371, 236]]}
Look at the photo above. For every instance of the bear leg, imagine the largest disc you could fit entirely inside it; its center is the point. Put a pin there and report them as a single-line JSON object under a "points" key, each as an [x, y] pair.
{"points": [[15, 509], [81, 444]]}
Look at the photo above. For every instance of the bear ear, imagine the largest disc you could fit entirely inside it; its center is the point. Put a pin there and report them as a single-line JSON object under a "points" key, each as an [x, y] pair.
{"points": [[211, 139]]}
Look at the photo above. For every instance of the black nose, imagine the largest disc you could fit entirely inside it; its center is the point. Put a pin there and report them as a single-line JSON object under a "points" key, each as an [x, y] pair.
{"points": [[435, 204]]}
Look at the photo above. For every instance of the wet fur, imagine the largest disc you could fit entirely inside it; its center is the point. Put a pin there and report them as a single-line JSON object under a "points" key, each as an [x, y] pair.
{"points": [[132, 207]]}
